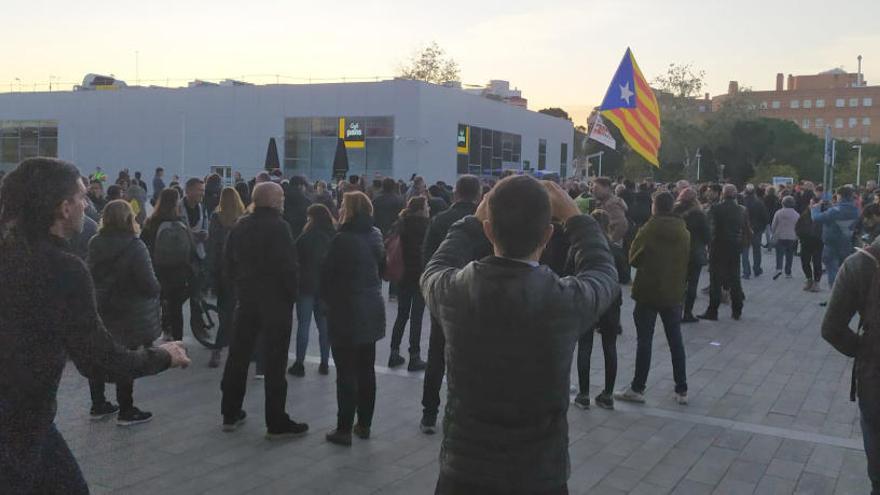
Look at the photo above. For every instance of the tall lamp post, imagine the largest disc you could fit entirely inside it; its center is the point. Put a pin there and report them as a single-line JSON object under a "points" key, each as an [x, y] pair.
{"points": [[859, 166]]}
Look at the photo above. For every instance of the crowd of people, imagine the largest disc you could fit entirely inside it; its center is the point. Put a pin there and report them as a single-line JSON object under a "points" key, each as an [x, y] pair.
{"points": [[537, 265]]}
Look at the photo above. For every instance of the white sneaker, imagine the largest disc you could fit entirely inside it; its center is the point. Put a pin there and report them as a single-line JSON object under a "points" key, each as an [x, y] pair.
{"points": [[680, 399], [629, 395], [259, 377]]}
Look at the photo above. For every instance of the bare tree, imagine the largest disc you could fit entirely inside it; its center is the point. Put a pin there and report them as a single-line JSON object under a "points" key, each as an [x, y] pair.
{"points": [[430, 64]]}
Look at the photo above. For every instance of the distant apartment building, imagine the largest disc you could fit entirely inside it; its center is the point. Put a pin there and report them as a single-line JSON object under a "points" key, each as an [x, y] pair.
{"points": [[833, 98]]}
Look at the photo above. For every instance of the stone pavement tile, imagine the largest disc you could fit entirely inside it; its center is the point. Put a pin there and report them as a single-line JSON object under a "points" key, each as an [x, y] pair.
{"points": [[593, 471], [240, 484], [733, 439], [788, 470], [771, 485], [648, 455], [730, 486], [761, 448], [814, 484], [712, 466], [667, 474], [795, 450], [421, 481], [600, 489], [646, 488], [700, 438], [826, 461], [852, 484], [623, 478], [690, 487], [748, 471]]}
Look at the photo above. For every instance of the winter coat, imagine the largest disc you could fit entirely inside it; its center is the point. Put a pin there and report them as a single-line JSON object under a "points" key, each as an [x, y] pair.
{"points": [[807, 230], [327, 200], [784, 223], [79, 245], [351, 290], [837, 226], [311, 249], [260, 257], [728, 222], [295, 206], [440, 225], [660, 253], [641, 208], [758, 214], [510, 330], [128, 291], [616, 209], [437, 205], [217, 235], [698, 227], [412, 230], [386, 208]]}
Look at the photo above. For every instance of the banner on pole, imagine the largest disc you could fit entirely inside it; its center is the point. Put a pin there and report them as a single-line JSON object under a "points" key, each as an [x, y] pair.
{"points": [[601, 134]]}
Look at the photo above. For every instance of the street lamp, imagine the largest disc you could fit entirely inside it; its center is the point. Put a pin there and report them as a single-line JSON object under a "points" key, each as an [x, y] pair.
{"points": [[878, 174], [859, 166]]}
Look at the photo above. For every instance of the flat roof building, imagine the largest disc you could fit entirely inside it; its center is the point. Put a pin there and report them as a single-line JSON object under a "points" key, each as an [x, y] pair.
{"points": [[395, 128]]}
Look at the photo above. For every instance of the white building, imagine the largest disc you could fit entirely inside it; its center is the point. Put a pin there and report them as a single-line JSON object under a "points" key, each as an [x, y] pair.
{"points": [[395, 128]]}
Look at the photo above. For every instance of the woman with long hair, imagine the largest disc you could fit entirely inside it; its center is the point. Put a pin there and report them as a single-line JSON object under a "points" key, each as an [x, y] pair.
{"points": [[351, 291], [172, 248], [311, 249], [128, 301], [411, 226], [229, 209]]}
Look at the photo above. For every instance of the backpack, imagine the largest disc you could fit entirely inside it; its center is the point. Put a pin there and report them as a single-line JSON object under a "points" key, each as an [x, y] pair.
{"points": [[394, 266], [173, 246]]}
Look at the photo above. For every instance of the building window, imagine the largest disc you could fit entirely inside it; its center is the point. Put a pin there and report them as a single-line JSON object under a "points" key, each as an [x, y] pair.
{"points": [[865, 140], [776, 104], [21, 139], [795, 103], [807, 104], [867, 102], [806, 124], [488, 151], [853, 122], [820, 122], [763, 105], [840, 103], [310, 145], [563, 160], [838, 123], [853, 102], [866, 121], [542, 154], [820, 103]]}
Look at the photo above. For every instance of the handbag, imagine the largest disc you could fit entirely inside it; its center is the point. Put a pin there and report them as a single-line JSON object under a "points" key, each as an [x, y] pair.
{"points": [[393, 258]]}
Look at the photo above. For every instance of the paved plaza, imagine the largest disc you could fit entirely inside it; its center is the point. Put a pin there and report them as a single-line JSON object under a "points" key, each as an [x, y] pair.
{"points": [[769, 413]]}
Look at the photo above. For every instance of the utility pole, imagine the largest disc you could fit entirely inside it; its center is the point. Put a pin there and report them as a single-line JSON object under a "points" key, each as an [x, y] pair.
{"points": [[859, 166], [698, 156]]}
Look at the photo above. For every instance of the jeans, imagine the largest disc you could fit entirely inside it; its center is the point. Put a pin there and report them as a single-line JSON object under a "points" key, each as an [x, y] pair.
{"points": [[693, 285], [410, 305], [609, 350], [355, 384], [306, 306], [832, 265], [434, 371], [724, 272], [645, 317], [785, 249], [271, 319], [45, 465], [755, 248], [811, 259]]}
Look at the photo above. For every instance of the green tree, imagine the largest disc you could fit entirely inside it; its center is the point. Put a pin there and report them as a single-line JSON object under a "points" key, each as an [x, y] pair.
{"points": [[430, 64], [765, 174], [555, 112]]}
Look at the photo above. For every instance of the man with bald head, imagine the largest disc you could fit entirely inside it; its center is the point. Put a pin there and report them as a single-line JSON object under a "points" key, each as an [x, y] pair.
{"points": [[729, 225], [261, 262]]}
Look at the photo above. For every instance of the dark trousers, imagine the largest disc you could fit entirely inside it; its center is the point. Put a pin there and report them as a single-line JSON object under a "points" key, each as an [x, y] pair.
{"points": [[124, 393], [755, 248], [410, 306], [645, 317], [48, 467], [724, 272], [693, 285], [174, 293], [355, 384], [449, 486], [785, 251], [811, 259], [609, 351], [225, 312], [869, 409], [435, 370], [270, 319], [197, 284]]}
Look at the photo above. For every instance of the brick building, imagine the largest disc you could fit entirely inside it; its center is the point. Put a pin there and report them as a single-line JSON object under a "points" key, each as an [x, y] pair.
{"points": [[833, 98]]}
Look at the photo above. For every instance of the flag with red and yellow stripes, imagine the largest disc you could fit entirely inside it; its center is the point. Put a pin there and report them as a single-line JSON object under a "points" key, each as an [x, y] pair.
{"points": [[631, 106]]}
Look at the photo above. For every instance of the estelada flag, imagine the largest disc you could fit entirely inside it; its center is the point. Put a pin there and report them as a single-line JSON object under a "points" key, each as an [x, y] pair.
{"points": [[631, 106]]}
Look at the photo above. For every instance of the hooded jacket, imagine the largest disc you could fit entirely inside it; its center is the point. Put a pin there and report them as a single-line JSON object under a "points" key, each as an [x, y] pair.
{"points": [[837, 226], [660, 254]]}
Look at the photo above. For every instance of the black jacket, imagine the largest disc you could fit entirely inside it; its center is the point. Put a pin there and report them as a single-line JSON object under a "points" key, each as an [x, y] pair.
{"points": [[440, 225], [295, 206], [640, 210], [386, 209], [412, 230], [48, 314], [351, 290], [698, 226], [759, 217], [311, 248], [261, 257], [438, 205], [121, 268], [510, 334], [728, 223]]}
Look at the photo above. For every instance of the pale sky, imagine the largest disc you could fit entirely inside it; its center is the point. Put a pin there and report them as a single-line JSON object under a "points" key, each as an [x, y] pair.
{"points": [[558, 52]]}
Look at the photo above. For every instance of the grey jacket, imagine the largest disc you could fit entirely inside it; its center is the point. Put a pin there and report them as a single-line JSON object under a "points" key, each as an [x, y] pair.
{"points": [[511, 330]]}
